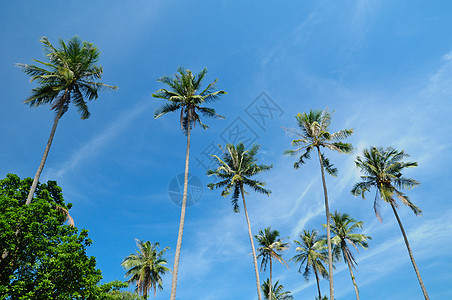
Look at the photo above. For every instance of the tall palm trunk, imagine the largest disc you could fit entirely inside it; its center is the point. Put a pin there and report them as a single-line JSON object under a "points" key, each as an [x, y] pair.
{"points": [[347, 259], [46, 151], [328, 232], [270, 288], [182, 220], [410, 253], [43, 161], [318, 284], [252, 245]]}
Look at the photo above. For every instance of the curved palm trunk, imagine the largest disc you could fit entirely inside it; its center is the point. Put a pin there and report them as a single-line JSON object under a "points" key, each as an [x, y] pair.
{"points": [[270, 288], [182, 221], [318, 284], [41, 165], [328, 232], [351, 274], [410, 253], [252, 246], [46, 151]]}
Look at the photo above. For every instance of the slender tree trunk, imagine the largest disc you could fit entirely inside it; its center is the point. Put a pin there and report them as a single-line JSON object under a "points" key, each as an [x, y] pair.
{"points": [[46, 151], [410, 253], [328, 232], [182, 220], [351, 274], [252, 245], [270, 289], [43, 161], [318, 284]]}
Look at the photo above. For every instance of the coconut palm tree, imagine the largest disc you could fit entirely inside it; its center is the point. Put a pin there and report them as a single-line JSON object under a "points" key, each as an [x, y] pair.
{"points": [[342, 228], [382, 168], [184, 94], [235, 171], [277, 293], [146, 268], [312, 256], [314, 134], [71, 75], [270, 246]]}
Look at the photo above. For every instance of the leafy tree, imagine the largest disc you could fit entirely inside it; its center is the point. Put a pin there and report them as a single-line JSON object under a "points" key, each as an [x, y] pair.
{"points": [[234, 172], [342, 228], [184, 93], [71, 75], [270, 246], [146, 268], [314, 134], [277, 291], [312, 256], [382, 168], [112, 291], [47, 259]]}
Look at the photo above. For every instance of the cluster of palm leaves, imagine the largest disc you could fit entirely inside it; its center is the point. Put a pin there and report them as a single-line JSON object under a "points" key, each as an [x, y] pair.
{"points": [[72, 76], [312, 253]]}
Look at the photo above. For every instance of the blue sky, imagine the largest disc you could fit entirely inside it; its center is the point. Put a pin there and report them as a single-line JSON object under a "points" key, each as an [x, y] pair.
{"points": [[384, 67]]}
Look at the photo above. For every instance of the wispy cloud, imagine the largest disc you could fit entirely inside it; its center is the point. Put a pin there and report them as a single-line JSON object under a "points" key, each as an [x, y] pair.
{"points": [[94, 147], [290, 38], [440, 82]]}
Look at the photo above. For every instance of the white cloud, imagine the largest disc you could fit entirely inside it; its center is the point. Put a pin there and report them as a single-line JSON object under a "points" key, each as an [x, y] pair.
{"points": [[93, 148]]}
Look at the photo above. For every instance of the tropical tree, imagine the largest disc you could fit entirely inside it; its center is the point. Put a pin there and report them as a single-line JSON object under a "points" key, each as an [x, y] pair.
{"points": [[382, 168], [312, 255], [71, 75], [314, 134], [270, 246], [184, 93], [342, 228], [146, 268], [234, 172], [277, 291], [112, 291], [46, 259]]}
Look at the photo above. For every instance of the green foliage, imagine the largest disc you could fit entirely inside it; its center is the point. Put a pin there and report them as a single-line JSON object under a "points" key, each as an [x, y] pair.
{"points": [[382, 169], [235, 171], [112, 291], [270, 246], [312, 254], [314, 133], [46, 259], [343, 229], [146, 268], [184, 93], [71, 75], [278, 292]]}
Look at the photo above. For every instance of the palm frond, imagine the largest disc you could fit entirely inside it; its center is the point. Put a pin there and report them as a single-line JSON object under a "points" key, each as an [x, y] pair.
{"points": [[184, 90], [71, 68], [329, 167], [235, 170]]}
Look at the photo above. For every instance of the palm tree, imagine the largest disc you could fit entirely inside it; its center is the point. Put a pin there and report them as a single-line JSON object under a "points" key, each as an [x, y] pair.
{"points": [[71, 75], [314, 134], [185, 94], [234, 172], [146, 268], [382, 169], [312, 256], [277, 291], [342, 228], [271, 246]]}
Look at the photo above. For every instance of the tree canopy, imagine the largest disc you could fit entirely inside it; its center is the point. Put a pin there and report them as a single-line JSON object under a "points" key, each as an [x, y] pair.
{"points": [[47, 258]]}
